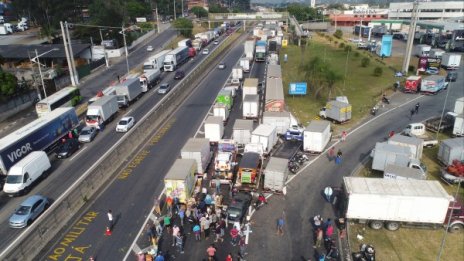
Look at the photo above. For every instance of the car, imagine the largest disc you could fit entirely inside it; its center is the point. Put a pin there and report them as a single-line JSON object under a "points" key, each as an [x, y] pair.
{"points": [[451, 76], [432, 70], [179, 75], [67, 148], [222, 65], [125, 124], [150, 48], [205, 51], [216, 42], [164, 88], [239, 206], [87, 134], [28, 211]]}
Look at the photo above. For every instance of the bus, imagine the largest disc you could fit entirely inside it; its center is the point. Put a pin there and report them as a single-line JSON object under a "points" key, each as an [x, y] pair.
{"points": [[66, 97]]}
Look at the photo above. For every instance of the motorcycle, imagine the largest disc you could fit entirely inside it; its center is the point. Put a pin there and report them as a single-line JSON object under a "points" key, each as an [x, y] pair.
{"points": [[293, 166], [385, 100], [374, 110]]}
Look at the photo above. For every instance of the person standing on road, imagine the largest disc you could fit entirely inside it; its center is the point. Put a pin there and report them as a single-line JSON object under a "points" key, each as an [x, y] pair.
{"points": [[197, 230], [217, 183], [180, 242], [175, 231], [181, 215], [206, 227], [229, 257], [211, 250], [319, 236], [169, 205], [234, 233], [416, 108], [110, 219], [331, 153], [280, 226], [344, 134], [338, 159], [242, 246], [411, 114]]}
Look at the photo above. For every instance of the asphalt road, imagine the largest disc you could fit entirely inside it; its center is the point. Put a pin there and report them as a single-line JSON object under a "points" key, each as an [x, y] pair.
{"points": [[65, 172], [304, 192]]}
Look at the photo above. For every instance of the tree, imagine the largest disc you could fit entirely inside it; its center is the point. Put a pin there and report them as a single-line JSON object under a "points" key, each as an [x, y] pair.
{"points": [[338, 34], [199, 11], [365, 62], [216, 8], [8, 84], [378, 71], [301, 12], [184, 26], [331, 77], [137, 9]]}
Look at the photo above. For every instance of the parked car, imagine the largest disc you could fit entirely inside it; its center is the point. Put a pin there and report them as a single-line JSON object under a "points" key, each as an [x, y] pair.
{"points": [[164, 88], [125, 124], [452, 76], [432, 70], [179, 75], [88, 134], [222, 65], [150, 48], [28, 211], [205, 51], [239, 206], [67, 148], [216, 42]]}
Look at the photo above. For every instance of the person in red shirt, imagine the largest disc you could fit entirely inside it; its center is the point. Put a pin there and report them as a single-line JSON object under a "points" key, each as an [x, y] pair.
{"points": [[234, 233], [229, 257], [211, 250]]}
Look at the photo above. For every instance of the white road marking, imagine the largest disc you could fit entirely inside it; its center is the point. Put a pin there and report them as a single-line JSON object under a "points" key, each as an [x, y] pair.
{"points": [[77, 154]]}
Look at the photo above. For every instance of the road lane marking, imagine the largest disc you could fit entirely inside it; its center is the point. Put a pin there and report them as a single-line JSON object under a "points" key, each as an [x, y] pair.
{"points": [[77, 154]]}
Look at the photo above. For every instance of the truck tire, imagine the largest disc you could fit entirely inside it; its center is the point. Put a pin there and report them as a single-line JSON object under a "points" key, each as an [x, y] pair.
{"points": [[376, 224], [393, 226], [456, 228]]}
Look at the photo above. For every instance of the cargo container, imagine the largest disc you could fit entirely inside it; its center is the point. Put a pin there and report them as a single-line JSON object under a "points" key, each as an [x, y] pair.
{"points": [[180, 180], [459, 106], [280, 120], [245, 64], [415, 145], [214, 128], [250, 86], [241, 131], [316, 136], [249, 49], [451, 61], [400, 172], [155, 62], [128, 91], [222, 111], [225, 98], [199, 150], [176, 58], [274, 100], [432, 84], [274, 71], [102, 111], [275, 174], [451, 149], [266, 135], [412, 84], [384, 154], [250, 107], [337, 111]]}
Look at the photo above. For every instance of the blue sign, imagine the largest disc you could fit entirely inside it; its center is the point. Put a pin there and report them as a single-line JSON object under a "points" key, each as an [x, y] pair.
{"points": [[297, 88]]}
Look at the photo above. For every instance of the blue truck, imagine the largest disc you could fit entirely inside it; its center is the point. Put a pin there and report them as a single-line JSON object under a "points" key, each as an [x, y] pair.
{"points": [[260, 51], [40, 134], [176, 58]]}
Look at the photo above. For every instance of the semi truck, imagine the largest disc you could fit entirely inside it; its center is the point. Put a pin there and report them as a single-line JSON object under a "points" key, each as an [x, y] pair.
{"points": [[451, 61], [392, 203], [149, 79], [102, 111], [41, 134], [260, 51], [176, 58], [433, 84], [155, 62], [249, 49], [128, 91], [274, 99]]}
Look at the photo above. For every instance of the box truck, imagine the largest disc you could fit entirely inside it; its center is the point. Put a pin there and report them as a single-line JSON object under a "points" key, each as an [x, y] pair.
{"points": [[250, 107], [422, 50], [436, 53], [41, 134], [316, 136], [458, 126], [155, 62], [459, 106], [451, 149], [337, 111], [275, 174], [249, 172], [384, 154], [415, 144], [260, 51], [176, 58], [237, 73], [432, 84], [412, 84], [274, 100], [245, 64], [180, 180], [214, 128], [199, 150], [241, 131], [400, 172], [102, 111], [224, 97], [128, 91], [250, 86], [280, 120], [249, 49], [222, 111], [392, 203], [451, 61], [149, 79], [266, 135]]}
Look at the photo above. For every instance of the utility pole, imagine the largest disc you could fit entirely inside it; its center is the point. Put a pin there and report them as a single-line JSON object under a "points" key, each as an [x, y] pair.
{"points": [[411, 32], [104, 49], [125, 48], [40, 73], [76, 76], [174, 4], [157, 20], [68, 56], [182, 6]]}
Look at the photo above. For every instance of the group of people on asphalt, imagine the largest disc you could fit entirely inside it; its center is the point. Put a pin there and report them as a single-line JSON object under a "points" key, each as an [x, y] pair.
{"points": [[324, 235]]}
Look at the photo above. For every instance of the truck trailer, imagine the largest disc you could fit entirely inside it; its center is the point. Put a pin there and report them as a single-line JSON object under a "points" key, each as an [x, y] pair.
{"points": [[316, 136], [280, 120], [275, 99], [199, 150], [128, 91], [180, 180], [155, 62], [451, 61], [102, 111], [249, 49], [250, 87], [176, 58]]}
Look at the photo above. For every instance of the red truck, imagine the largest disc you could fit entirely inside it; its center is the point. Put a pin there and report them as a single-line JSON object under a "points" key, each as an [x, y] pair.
{"points": [[412, 84]]}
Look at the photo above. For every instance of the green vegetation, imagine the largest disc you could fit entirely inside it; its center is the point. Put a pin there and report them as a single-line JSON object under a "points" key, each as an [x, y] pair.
{"points": [[8, 84], [184, 26], [365, 62], [378, 71], [338, 34], [200, 12]]}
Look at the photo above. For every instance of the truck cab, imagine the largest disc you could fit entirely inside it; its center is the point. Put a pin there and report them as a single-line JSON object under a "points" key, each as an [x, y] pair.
{"points": [[420, 131], [294, 133]]}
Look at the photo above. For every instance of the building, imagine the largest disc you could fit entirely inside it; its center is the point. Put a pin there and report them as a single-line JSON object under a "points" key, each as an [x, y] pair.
{"points": [[199, 3], [357, 16], [428, 10]]}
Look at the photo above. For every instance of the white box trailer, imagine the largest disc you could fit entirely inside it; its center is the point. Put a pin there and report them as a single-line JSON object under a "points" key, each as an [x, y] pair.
{"points": [[451, 60], [250, 87], [384, 154], [180, 180], [275, 174], [274, 71], [250, 107], [416, 145], [237, 73], [280, 120], [392, 202], [214, 128], [198, 149], [458, 127], [459, 105], [241, 131], [102, 111], [266, 135], [222, 111], [400, 172], [451, 149], [316, 136]]}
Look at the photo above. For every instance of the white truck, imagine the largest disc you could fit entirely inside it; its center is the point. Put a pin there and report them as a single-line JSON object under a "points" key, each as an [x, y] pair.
{"points": [[275, 174], [280, 120], [265, 135], [245, 64], [102, 111], [392, 203], [419, 130], [197, 44], [241, 131], [198, 149], [6, 28], [149, 79], [222, 111], [451, 61], [214, 128], [128, 91], [250, 49], [175, 58], [316, 136], [250, 87], [422, 50], [237, 73], [250, 107], [399, 172], [415, 144], [458, 126], [155, 62], [225, 160], [384, 154]]}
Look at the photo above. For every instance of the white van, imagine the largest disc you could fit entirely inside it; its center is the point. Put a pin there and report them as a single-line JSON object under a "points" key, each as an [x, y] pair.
{"points": [[24, 173]]}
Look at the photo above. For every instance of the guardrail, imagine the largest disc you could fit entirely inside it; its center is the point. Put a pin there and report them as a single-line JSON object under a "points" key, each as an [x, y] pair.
{"points": [[30, 243]]}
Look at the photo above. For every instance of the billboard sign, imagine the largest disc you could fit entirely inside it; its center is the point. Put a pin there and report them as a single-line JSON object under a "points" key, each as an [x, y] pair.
{"points": [[298, 88]]}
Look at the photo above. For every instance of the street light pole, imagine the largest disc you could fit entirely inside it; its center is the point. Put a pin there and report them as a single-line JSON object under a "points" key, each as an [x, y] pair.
{"points": [[125, 48], [40, 72], [174, 4], [411, 32]]}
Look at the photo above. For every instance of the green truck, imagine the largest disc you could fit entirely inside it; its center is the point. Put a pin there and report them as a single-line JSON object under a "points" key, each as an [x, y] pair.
{"points": [[225, 98]]}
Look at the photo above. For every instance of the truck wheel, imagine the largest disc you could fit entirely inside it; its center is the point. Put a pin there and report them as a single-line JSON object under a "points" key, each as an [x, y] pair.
{"points": [[393, 226], [456, 228], [376, 224]]}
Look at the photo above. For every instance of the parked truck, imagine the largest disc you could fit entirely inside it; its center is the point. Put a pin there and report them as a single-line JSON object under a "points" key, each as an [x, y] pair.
{"points": [[180, 180], [450, 150], [384, 154], [6, 28], [432, 84], [250, 107], [249, 49], [275, 174], [451, 61], [392, 203], [422, 50], [266, 135], [249, 172], [274, 98], [41, 134], [197, 44], [221, 110], [176, 58], [250, 87], [199, 150], [337, 111], [224, 97], [245, 64], [237, 73], [400, 172], [102, 111], [458, 126], [214, 128], [260, 51], [412, 84], [280, 120], [439, 124], [128, 91], [225, 159], [155, 62], [415, 145], [316, 136], [149, 79], [418, 130], [241, 132]]}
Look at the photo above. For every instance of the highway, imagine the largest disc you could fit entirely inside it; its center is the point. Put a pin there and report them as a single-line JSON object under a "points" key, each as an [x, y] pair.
{"points": [[131, 196], [65, 172]]}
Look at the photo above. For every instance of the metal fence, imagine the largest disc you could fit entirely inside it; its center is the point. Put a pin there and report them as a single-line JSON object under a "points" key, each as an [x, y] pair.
{"points": [[28, 245]]}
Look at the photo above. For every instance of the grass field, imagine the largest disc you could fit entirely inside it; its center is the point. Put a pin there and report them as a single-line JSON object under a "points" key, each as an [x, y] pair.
{"points": [[360, 86]]}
